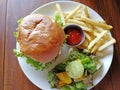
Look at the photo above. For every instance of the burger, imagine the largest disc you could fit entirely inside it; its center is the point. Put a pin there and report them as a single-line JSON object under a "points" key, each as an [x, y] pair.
{"points": [[40, 37]]}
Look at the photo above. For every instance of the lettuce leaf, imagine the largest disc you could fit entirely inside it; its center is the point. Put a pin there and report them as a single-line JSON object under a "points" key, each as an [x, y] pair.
{"points": [[18, 53], [58, 19], [15, 34], [80, 86], [19, 21], [76, 86], [33, 63]]}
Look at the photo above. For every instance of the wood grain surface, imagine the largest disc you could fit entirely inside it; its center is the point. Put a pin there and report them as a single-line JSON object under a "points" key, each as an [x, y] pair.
{"points": [[2, 40], [11, 75]]}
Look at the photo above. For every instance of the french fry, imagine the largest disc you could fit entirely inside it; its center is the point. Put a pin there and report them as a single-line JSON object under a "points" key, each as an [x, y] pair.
{"points": [[78, 16], [94, 49], [86, 29], [85, 43], [73, 12], [97, 23], [76, 22], [87, 36], [94, 33], [93, 42], [107, 36], [107, 44], [60, 12], [86, 12], [100, 29], [65, 14], [100, 21], [89, 26], [83, 27]]}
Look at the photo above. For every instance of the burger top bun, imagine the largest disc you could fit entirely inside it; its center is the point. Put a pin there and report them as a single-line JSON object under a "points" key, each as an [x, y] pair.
{"points": [[40, 37]]}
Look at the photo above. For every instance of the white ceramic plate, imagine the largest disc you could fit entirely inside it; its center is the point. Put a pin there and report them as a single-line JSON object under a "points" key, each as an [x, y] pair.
{"points": [[38, 77]]}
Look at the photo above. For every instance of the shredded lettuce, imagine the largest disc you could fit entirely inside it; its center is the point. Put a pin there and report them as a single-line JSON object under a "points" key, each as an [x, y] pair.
{"points": [[33, 63]]}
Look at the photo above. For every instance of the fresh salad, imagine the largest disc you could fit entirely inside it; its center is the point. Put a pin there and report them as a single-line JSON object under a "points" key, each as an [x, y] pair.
{"points": [[75, 73]]}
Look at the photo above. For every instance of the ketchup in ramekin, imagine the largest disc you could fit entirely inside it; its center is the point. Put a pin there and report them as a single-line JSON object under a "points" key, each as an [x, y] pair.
{"points": [[75, 35]]}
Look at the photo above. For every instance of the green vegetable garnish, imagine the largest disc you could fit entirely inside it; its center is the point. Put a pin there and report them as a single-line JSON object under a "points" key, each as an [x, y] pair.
{"points": [[59, 68], [87, 62], [33, 63], [19, 21], [75, 69], [37, 65], [58, 19], [52, 79], [80, 86], [15, 34], [68, 87], [18, 53], [89, 65], [75, 86]]}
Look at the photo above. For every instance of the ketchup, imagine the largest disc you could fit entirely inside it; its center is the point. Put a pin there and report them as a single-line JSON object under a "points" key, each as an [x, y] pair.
{"points": [[74, 36]]}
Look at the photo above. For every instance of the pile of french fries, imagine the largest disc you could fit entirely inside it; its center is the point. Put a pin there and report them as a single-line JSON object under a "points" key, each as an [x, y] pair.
{"points": [[97, 36]]}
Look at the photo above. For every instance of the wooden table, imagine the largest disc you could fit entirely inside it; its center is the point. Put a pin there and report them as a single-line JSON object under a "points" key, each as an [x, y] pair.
{"points": [[11, 75]]}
